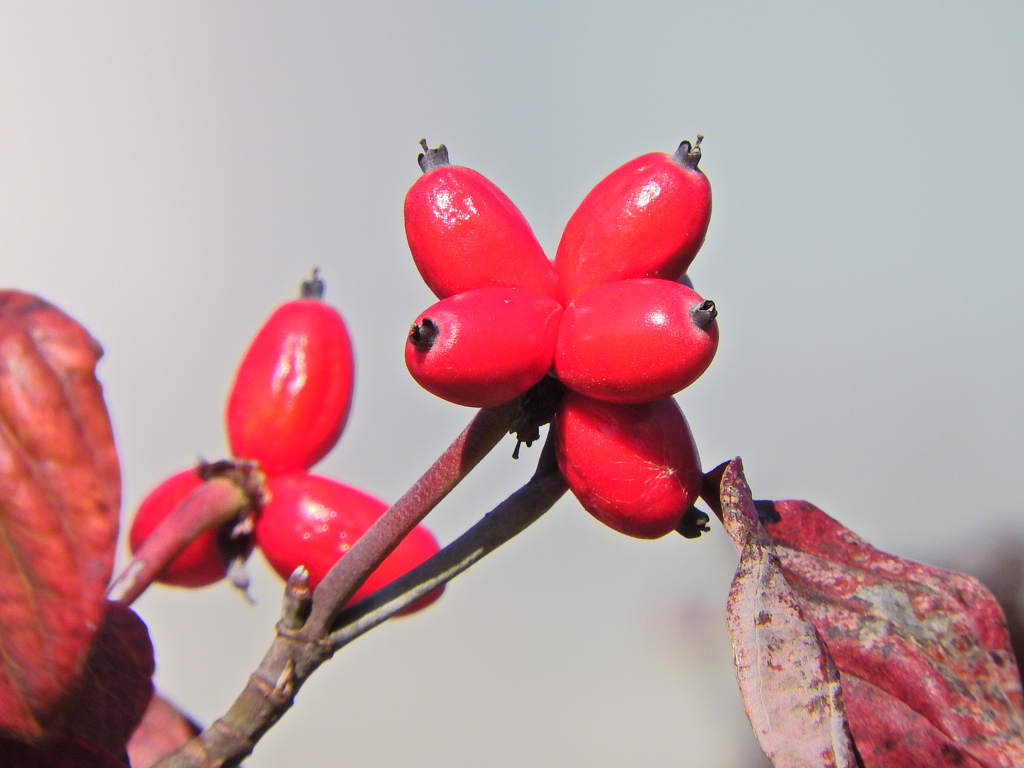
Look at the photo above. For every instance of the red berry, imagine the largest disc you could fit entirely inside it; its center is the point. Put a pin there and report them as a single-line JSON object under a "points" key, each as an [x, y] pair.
{"points": [[312, 521], [633, 341], [484, 347], [464, 233], [291, 395], [633, 467], [203, 561], [647, 218]]}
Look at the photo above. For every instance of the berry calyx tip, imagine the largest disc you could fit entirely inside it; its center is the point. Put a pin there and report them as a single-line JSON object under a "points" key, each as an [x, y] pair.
{"points": [[423, 335], [312, 288], [694, 523], [688, 155], [704, 314], [431, 159]]}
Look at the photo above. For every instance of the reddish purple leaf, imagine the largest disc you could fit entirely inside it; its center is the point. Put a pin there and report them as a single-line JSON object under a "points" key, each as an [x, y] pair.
{"points": [[59, 501], [65, 750], [116, 686], [790, 687], [933, 641], [160, 733]]}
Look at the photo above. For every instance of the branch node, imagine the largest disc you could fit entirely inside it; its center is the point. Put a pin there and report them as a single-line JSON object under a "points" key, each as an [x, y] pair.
{"points": [[279, 693], [284, 688]]}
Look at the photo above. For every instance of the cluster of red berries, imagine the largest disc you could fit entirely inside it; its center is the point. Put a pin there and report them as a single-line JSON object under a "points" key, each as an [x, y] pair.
{"points": [[611, 319], [286, 410]]}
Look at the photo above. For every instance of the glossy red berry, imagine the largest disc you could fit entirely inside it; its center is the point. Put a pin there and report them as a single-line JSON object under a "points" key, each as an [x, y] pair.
{"points": [[203, 561], [484, 347], [633, 341], [291, 395], [633, 467], [313, 521], [647, 218], [464, 233]]}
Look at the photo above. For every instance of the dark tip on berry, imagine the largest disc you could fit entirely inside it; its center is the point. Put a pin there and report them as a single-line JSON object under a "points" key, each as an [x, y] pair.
{"points": [[431, 159], [312, 288], [688, 155], [694, 523], [704, 315], [424, 335]]}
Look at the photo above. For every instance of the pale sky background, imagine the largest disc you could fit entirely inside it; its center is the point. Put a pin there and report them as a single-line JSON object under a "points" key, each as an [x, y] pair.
{"points": [[169, 172]]}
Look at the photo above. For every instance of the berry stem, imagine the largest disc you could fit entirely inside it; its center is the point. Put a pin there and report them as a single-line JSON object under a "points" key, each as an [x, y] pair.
{"points": [[711, 489], [508, 519], [476, 441], [221, 500]]}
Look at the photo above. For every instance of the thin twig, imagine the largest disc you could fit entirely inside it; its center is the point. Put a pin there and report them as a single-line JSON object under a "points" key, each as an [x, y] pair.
{"points": [[348, 574], [508, 519]]}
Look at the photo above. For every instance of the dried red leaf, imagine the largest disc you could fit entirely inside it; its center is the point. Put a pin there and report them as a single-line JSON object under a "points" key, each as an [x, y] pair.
{"points": [[161, 732], [889, 734], [934, 641], [790, 687], [59, 501], [997, 561], [927, 674]]}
